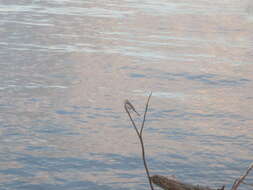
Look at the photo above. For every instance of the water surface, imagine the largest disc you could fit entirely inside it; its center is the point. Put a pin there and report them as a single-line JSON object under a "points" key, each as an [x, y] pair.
{"points": [[66, 67]]}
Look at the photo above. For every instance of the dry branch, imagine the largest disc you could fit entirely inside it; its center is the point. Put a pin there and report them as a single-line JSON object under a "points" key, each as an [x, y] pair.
{"points": [[241, 179], [128, 106], [171, 183]]}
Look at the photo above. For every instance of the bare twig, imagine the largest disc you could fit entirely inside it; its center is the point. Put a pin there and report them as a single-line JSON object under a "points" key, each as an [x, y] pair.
{"points": [[145, 113], [142, 143], [240, 180], [247, 184], [161, 181], [131, 107], [128, 106]]}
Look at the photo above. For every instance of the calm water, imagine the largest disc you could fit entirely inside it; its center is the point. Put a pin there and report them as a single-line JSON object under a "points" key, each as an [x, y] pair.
{"points": [[66, 67]]}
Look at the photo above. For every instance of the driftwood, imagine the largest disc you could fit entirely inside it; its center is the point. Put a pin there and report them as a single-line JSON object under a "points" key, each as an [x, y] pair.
{"points": [[173, 184], [164, 182]]}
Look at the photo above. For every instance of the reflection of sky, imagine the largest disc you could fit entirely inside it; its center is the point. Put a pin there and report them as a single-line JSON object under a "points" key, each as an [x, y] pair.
{"points": [[67, 66]]}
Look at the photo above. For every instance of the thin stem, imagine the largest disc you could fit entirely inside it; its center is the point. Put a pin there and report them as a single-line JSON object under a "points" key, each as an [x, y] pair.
{"points": [[128, 106], [145, 113], [145, 163], [241, 179], [133, 123]]}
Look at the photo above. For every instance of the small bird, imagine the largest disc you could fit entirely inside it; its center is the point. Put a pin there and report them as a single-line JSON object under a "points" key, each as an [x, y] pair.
{"points": [[129, 106]]}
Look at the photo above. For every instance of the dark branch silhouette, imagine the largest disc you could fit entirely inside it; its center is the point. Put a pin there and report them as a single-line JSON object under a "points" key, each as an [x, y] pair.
{"points": [[128, 106], [162, 181]]}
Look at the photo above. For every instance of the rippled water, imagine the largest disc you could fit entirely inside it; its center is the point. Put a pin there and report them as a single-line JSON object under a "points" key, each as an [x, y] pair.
{"points": [[66, 66]]}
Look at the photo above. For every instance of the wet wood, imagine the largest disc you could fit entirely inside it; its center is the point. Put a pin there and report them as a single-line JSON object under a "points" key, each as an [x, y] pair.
{"points": [[173, 184]]}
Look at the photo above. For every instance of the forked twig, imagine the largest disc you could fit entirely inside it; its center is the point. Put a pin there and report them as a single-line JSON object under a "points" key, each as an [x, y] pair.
{"points": [[128, 106], [162, 181], [240, 180]]}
